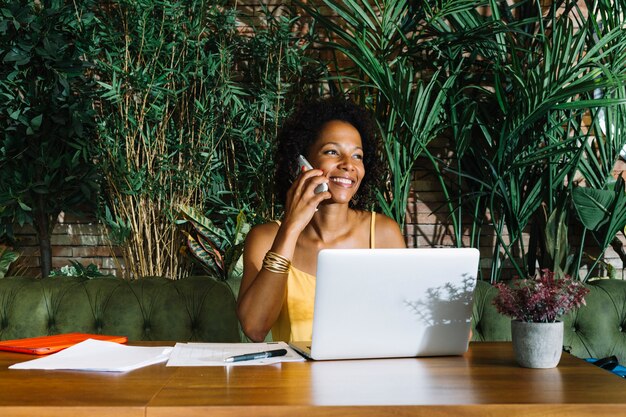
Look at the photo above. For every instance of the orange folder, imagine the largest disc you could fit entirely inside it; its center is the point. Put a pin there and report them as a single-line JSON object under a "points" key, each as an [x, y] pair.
{"points": [[44, 345]]}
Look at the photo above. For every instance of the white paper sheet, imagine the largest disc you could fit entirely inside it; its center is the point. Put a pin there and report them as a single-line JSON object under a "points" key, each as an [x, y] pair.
{"points": [[213, 354], [97, 355]]}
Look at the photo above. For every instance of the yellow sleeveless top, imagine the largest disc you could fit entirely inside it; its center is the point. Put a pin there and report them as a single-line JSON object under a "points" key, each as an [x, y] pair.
{"points": [[295, 321]]}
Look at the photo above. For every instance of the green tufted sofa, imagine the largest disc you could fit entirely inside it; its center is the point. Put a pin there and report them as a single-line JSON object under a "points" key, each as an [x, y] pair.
{"points": [[596, 330], [203, 309], [191, 309]]}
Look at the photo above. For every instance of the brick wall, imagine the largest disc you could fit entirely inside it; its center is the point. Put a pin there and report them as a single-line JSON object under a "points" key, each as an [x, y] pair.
{"points": [[81, 239]]}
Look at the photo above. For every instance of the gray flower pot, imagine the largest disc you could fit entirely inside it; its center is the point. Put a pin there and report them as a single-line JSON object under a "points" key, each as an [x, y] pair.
{"points": [[537, 345]]}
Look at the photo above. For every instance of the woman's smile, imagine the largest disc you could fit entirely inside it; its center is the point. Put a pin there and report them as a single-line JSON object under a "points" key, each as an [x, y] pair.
{"points": [[342, 182]]}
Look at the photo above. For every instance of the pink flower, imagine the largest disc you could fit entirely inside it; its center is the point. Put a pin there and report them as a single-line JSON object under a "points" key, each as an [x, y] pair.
{"points": [[541, 299]]}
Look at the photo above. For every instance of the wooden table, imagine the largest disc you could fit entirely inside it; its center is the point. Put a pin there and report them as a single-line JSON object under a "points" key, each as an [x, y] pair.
{"points": [[484, 382]]}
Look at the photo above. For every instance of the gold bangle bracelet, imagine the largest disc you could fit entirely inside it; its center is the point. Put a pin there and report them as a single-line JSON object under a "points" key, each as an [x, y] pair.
{"points": [[276, 263]]}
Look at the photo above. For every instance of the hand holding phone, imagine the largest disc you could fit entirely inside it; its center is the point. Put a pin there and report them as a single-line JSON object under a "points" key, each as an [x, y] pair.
{"points": [[303, 163]]}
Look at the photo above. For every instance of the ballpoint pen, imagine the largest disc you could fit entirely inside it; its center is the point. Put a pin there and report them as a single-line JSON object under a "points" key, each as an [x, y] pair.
{"points": [[257, 355]]}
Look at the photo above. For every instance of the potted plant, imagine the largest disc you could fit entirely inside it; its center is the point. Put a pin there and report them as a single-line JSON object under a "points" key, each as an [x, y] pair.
{"points": [[535, 304]]}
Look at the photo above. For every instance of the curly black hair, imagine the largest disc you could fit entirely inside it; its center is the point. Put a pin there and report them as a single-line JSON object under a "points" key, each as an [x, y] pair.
{"points": [[301, 130]]}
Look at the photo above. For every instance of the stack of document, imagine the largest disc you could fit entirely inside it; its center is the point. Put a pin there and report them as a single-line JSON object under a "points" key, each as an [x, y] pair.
{"points": [[97, 355], [102, 356], [215, 354]]}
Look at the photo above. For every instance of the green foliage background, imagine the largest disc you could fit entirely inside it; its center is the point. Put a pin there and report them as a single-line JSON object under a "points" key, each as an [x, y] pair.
{"points": [[189, 109], [139, 106], [518, 89], [46, 115], [142, 106]]}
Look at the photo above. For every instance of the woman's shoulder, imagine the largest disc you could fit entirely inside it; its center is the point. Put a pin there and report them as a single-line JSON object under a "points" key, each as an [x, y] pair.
{"points": [[384, 220], [264, 230], [388, 233], [260, 238], [379, 219]]}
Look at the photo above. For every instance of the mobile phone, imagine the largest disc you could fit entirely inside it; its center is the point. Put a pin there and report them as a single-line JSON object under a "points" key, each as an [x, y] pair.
{"points": [[302, 162]]}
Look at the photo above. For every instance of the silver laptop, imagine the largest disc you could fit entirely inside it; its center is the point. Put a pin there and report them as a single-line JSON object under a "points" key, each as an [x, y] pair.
{"points": [[387, 303]]}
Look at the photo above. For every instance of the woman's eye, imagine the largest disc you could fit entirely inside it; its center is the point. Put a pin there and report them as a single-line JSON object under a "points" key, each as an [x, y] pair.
{"points": [[359, 157], [331, 152]]}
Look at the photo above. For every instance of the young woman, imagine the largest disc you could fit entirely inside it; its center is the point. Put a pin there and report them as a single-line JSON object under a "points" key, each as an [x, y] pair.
{"points": [[280, 258]]}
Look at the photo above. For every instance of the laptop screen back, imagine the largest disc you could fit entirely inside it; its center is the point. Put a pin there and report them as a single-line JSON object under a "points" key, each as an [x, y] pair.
{"points": [[375, 303]]}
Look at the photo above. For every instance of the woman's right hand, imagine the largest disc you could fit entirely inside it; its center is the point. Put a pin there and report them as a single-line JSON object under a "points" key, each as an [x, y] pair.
{"points": [[302, 202], [262, 292]]}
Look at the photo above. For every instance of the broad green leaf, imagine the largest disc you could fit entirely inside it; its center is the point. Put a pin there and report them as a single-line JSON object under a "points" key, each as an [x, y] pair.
{"points": [[36, 122], [202, 255], [212, 250], [202, 224], [557, 245], [16, 55], [7, 257], [593, 206]]}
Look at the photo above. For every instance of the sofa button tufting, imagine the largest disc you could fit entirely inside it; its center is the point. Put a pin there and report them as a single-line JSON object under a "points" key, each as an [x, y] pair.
{"points": [[621, 329]]}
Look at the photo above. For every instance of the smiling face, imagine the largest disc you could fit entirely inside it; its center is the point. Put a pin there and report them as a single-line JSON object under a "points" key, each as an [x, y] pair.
{"points": [[338, 151]]}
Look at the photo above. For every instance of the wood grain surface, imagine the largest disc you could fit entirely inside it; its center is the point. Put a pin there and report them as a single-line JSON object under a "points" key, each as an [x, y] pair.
{"points": [[486, 381]]}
